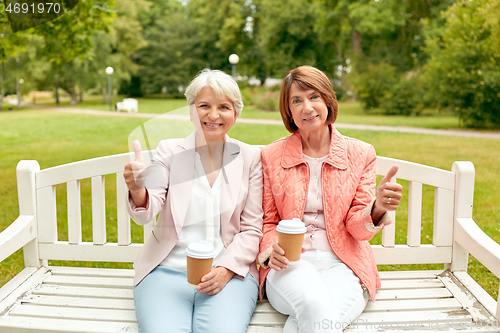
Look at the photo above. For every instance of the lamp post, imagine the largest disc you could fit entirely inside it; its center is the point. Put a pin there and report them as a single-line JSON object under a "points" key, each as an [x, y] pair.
{"points": [[109, 71], [233, 60]]}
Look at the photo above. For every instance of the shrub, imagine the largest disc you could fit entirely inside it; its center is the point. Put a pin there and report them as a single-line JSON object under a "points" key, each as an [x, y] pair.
{"points": [[372, 82], [261, 98], [404, 98]]}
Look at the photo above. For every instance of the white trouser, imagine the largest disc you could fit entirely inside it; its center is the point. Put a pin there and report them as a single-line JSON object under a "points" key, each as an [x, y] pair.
{"points": [[319, 293]]}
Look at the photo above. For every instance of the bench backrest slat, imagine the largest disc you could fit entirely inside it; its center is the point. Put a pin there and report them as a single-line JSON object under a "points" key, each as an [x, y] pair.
{"points": [[414, 213], [98, 210], [443, 217], [74, 212], [122, 217], [389, 235], [46, 214]]}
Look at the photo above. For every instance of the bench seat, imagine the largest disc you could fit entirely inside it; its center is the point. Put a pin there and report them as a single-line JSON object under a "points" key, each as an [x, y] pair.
{"points": [[72, 299]]}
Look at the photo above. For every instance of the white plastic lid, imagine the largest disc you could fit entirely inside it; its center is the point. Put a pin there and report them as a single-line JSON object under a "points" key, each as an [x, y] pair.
{"points": [[293, 226], [200, 250]]}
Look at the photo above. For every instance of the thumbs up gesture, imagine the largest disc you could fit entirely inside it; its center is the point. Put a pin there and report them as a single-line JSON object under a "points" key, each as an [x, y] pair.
{"points": [[388, 194], [134, 171]]}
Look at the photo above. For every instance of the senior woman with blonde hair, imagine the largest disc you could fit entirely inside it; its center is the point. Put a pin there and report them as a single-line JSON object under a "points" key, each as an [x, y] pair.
{"points": [[328, 181], [204, 187]]}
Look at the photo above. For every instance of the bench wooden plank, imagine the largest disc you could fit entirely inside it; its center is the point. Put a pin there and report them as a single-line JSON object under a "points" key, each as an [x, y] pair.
{"points": [[414, 304], [411, 284], [443, 217], [401, 275], [99, 272], [119, 293], [50, 325], [98, 211], [66, 312], [122, 217], [415, 316], [80, 302], [424, 254], [418, 172], [46, 211], [413, 293], [82, 170], [85, 281], [110, 252], [414, 214], [74, 212]]}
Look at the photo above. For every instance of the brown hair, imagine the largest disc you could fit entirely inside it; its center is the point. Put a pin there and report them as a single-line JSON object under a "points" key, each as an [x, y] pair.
{"points": [[307, 77]]}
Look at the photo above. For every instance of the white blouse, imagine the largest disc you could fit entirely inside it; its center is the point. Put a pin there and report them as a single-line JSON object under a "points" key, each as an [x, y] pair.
{"points": [[202, 219], [314, 219]]}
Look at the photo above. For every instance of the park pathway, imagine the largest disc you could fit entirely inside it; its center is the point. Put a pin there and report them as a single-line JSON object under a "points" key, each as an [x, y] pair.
{"points": [[403, 129]]}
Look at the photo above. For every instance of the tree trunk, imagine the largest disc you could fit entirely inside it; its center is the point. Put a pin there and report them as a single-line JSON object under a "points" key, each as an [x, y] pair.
{"points": [[18, 85], [356, 42], [57, 94], [73, 95], [341, 60], [81, 95]]}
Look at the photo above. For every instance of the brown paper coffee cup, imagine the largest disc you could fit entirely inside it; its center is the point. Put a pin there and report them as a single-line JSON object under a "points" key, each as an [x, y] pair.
{"points": [[199, 256], [196, 269], [291, 244], [290, 238]]}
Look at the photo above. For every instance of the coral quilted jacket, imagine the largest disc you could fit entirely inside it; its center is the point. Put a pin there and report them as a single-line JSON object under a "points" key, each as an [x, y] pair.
{"points": [[348, 181]]}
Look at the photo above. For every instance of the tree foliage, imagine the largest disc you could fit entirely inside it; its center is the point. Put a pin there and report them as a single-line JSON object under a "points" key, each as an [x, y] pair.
{"points": [[463, 70], [398, 55]]}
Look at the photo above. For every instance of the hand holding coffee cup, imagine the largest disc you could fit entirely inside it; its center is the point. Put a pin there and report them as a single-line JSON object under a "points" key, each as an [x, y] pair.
{"points": [[199, 257], [289, 247]]}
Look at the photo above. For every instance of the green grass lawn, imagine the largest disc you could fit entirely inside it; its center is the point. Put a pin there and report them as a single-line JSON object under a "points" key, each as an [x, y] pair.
{"points": [[54, 138], [349, 112]]}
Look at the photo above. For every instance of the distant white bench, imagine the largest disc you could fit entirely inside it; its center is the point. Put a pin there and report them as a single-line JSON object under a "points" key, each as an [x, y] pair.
{"points": [[45, 298], [128, 104]]}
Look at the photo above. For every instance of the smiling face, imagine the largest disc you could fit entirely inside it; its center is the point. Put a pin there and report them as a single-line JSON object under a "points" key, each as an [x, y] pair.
{"points": [[216, 115], [308, 109]]}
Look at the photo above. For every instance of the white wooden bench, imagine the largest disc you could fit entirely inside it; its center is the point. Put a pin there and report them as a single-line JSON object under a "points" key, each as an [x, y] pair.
{"points": [[128, 104], [48, 298]]}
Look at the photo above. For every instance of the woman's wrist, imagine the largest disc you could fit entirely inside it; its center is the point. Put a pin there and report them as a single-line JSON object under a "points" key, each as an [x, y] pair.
{"points": [[139, 197], [377, 213]]}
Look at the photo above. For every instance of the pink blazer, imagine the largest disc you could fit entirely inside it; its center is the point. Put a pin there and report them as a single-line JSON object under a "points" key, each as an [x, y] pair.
{"points": [[348, 182], [169, 182]]}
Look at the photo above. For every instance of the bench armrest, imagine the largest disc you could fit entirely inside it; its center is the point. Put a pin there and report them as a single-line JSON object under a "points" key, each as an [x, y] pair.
{"points": [[18, 234], [469, 236], [477, 243]]}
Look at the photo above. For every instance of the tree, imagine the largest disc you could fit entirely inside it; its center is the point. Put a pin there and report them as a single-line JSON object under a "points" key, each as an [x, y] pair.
{"points": [[11, 45], [287, 35], [116, 47], [463, 71], [69, 36], [174, 52]]}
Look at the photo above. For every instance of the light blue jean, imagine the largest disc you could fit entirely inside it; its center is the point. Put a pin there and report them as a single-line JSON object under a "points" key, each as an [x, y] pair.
{"points": [[164, 302]]}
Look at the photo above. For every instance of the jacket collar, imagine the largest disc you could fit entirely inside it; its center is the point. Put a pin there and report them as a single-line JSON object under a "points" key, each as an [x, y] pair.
{"points": [[293, 155]]}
